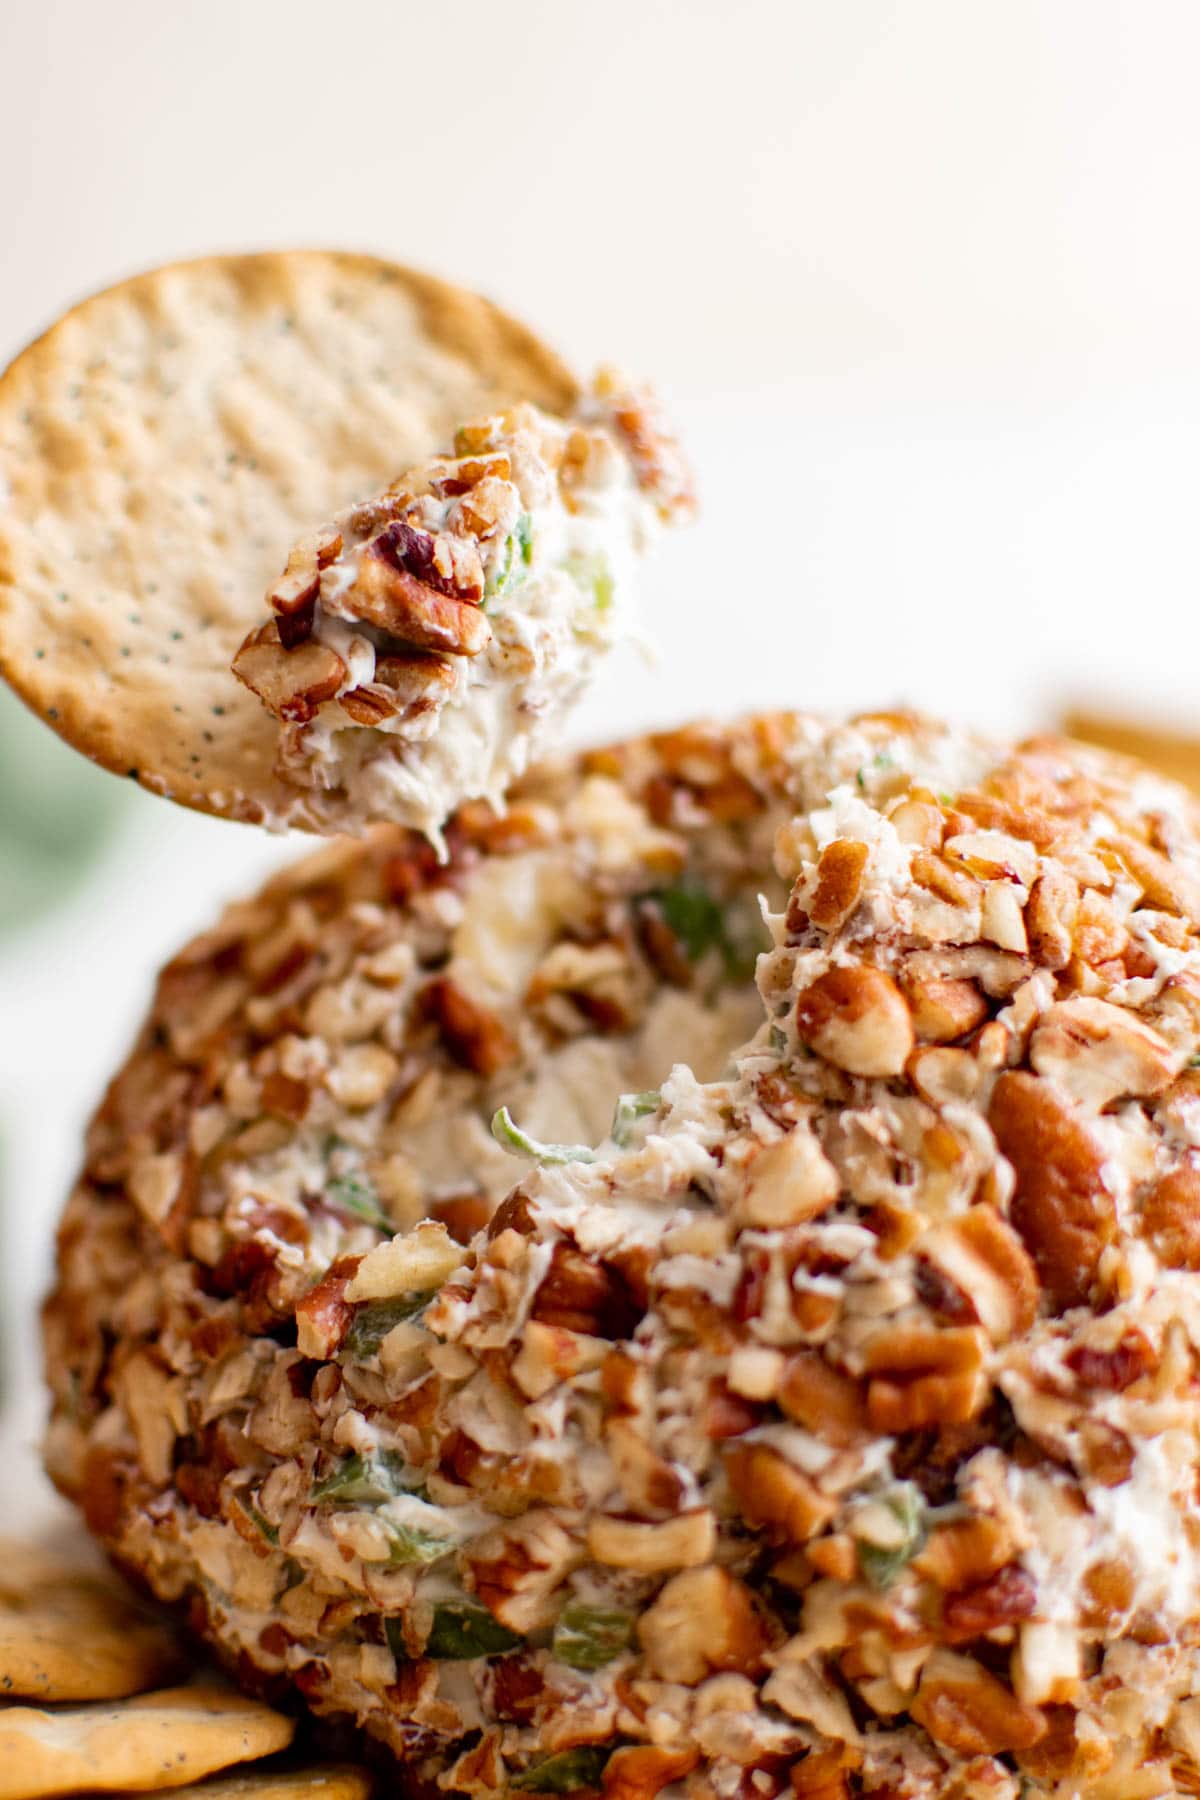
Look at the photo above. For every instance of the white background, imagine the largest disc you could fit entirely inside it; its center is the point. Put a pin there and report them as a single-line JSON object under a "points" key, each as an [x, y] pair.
{"points": [[920, 280]]}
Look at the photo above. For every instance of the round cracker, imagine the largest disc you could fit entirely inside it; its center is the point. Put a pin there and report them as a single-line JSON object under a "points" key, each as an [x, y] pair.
{"points": [[69, 1634], [162, 1740], [338, 1781], [162, 447]]}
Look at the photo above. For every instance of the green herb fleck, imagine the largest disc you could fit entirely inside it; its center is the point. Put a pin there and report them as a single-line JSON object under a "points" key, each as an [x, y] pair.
{"points": [[693, 915], [378, 1476], [587, 1637], [567, 1773], [701, 924], [1194, 1062], [351, 1194], [510, 1137], [410, 1545], [881, 1565], [629, 1109], [372, 1323], [463, 1630], [524, 537]]}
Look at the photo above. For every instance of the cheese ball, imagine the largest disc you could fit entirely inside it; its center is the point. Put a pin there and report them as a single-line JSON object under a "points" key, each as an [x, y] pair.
{"points": [[698, 1295]]}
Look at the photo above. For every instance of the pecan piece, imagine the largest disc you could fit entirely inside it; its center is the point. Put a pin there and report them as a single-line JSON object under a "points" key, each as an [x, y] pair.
{"points": [[774, 1494], [401, 684], [1050, 917], [942, 1009], [702, 1621], [1171, 1216], [652, 1548], [324, 1316], [293, 599], [789, 1181], [1061, 1207], [967, 1710], [411, 611], [839, 883], [924, 1376], [640, 1771], [1116, 1369], [292, 684], [1004, 1598], [856, 1018], [986, 1263], [1097, 1052], [823, 1399], [474, 1035]]}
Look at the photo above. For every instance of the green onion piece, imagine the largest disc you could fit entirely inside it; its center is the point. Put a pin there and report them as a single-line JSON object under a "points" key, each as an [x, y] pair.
{"points": [[567, 1773], [587, 1637], [351, 1194], [510, 1137], [702, 924], [693, 915], [371, 1324], [409, 1545], [377, 1477], [629, 1109], [881, 1565], [463, 1630], [524, 537]]}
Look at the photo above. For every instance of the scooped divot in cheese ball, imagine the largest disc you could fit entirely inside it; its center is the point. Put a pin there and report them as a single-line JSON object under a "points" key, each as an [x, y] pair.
{"points": [[598, 1369]]}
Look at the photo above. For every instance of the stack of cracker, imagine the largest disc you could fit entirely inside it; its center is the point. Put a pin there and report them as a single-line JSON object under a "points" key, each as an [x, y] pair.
{"points": [[100, 1697]]}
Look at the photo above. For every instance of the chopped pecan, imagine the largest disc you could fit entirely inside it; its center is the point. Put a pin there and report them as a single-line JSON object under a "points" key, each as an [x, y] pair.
{"points": [[989, 1267], [839, 883], [918, 822], [920, 1376], [324, 1316], [518, 1565], [1050, 916], [1171, 1216], [772, 1493], [292, 684], [825, 1400], [1098, 1053], [1115, 1369], [474, 1035], [407, 685], [951, 884], [412, 610], [789, 1181], [823, 1775], [1061, 1206], [856, 1018], [943, 1010], [658, 461], [1001, 1599], [1164, 883], [967, 1710], [639, 1771], [293, 599], [963, 1551], [651, 1548], [579, 1294], [703, 1620], [459, 475]]}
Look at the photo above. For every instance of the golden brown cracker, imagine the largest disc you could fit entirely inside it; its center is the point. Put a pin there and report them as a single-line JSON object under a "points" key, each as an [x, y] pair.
{"points": [[162, 1740], [161, 448], [69, 1633]]}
